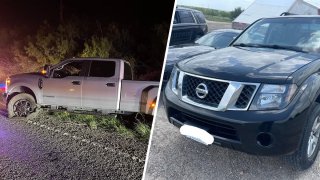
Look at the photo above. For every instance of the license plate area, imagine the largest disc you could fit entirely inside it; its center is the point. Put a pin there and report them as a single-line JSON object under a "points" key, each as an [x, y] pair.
{"points": [[197, 134]]}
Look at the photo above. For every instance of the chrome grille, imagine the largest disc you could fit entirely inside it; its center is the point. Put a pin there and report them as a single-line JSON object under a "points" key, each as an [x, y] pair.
{"points": [[216, 90], [221, 95], [245, 96]]}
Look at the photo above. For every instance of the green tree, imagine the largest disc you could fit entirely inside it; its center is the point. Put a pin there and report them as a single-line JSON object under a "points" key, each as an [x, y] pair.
{"points": [[236, 12], [50, 45], [96, 47]]}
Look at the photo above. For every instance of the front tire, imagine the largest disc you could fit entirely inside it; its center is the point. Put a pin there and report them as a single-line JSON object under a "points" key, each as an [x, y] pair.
{"points": [[21, 105], [307, 153]]}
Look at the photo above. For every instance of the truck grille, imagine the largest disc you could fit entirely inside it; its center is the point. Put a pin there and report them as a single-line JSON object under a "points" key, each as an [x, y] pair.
{"points": [[179, 36], [245, 96], [216, 89]]}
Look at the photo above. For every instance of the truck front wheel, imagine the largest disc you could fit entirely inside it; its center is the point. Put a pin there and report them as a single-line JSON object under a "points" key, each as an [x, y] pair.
{"points": [[309, 147], [21, 105]]}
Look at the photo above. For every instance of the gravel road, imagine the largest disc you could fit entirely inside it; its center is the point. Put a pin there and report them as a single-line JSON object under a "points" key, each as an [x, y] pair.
{"points": [[41, 148], [213, 25], [173, 156]]}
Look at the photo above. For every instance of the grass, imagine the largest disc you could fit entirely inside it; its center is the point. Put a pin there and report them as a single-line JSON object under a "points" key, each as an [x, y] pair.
{"points": [[217, 18], [143, 130], [139, 130], [213, 14]]}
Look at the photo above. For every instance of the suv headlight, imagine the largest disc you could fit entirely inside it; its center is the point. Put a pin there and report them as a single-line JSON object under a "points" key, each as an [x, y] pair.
{"points": [[272, 97], [173, 81]]}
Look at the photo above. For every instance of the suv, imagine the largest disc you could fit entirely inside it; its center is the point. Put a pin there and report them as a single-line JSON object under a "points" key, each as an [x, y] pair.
{"points": [[188, 25], [81, 84], [260, 95]]}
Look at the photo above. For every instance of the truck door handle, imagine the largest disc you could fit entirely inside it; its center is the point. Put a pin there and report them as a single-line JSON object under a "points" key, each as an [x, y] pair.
{"points": [[76, 82], [111, 84]]}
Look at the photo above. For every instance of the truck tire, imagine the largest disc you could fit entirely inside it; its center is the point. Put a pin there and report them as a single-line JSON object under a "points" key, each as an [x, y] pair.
{"points": [[21, 105], [307, 153]]}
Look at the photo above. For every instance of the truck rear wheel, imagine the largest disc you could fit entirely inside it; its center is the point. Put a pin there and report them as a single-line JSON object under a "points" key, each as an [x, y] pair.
{"points": [[21, 105], [309, 146]]}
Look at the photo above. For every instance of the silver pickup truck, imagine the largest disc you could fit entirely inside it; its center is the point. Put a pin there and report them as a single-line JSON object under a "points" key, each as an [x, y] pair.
{"points": [[81, 84]]}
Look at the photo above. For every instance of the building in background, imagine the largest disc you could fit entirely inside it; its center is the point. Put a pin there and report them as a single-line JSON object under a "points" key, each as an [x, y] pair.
{"points": [[269, 8]]}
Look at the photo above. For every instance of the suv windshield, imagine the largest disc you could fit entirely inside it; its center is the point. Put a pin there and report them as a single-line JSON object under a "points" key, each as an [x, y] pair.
{"points": [[292, 33]]}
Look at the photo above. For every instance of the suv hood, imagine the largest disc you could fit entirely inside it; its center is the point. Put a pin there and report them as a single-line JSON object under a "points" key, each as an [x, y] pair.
{"points": [[180, 52], [246, 64]]}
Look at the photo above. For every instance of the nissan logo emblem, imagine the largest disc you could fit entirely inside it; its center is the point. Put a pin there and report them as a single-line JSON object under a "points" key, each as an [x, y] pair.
{"points": [[202, 90]]}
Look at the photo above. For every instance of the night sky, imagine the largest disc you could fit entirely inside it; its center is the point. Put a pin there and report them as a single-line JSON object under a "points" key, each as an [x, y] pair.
{"points": [[31, 13]]}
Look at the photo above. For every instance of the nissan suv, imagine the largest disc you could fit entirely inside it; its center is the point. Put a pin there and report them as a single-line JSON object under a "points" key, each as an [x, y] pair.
{"points": [[260, 95]]}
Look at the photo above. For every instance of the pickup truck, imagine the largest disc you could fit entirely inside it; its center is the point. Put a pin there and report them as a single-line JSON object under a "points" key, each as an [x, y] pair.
{"points": [[260, 95], [81, 84]]}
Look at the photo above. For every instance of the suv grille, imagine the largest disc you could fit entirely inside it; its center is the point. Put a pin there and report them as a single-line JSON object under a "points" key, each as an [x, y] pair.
{"points": [[216, 90], [208, 92], [245, 96]]}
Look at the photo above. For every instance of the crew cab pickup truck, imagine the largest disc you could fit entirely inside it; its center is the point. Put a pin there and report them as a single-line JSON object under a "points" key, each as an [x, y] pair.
{"points": [[260, 95], [81, 84]]}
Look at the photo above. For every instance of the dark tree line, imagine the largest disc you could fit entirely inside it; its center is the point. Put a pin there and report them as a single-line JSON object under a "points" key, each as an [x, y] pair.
{"points": [[143, 47]]}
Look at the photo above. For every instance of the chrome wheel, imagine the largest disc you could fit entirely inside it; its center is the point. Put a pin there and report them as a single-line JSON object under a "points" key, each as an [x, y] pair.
{"points": [[22, 108], [314, 137]]}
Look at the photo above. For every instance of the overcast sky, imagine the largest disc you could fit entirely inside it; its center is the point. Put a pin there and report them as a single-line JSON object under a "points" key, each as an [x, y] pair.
{"points": [[227, 5]]}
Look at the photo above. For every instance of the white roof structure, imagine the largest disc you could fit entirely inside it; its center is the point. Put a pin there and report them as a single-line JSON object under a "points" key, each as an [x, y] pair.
{"points": [[271, 8]]}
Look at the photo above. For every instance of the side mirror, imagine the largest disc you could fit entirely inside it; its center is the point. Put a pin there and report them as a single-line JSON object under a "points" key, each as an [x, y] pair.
{"points": [[46, 70]]}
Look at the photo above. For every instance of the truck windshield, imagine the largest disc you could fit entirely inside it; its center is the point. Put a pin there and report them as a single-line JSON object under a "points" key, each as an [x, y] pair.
{"points": [[300, 34]]}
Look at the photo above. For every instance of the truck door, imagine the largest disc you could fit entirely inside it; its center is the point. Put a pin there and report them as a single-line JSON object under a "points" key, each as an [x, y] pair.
{"points": [[100, 87], [63, 88]]}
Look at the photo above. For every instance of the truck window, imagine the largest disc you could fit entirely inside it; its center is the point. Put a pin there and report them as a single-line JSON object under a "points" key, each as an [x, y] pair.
{"points": [[127, 72], [102, 68], [186, 17], [71, 69]]}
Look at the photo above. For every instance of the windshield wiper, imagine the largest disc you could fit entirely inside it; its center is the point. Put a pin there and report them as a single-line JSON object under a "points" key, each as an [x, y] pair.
{"points": [[246, 45], [272, 46]]}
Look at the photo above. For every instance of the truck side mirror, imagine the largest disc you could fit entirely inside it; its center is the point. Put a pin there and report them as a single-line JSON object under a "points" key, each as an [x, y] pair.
{"points": [[46, 70]]}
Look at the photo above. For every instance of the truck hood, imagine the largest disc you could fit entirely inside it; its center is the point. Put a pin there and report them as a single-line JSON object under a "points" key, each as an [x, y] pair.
{"points": [[26, 75], [246, 64], [180, 52]]}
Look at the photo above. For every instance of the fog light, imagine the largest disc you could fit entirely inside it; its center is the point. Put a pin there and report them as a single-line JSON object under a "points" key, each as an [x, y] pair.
{"points": [[264, 139]]}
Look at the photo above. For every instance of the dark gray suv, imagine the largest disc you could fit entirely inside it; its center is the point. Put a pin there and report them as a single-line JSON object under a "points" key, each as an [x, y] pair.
{"points": [[188, 25]]}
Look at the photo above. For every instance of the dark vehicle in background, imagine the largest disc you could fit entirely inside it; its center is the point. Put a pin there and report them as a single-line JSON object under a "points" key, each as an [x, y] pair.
{"points": [[188, 25], [216, 39], [260, 95]]}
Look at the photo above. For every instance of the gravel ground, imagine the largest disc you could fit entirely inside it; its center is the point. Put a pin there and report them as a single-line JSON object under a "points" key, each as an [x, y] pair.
{"points": [[44, 148], [213, 25], [173, 156]]}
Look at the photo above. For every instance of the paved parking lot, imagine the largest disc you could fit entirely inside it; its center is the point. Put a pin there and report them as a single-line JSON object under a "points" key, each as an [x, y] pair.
{"points": [[213, 25], [173, 156]]}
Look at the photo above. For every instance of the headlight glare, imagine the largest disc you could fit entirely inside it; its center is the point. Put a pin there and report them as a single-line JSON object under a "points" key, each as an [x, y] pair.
{"points": [[272, 97], [173, 82], [268, 88]]}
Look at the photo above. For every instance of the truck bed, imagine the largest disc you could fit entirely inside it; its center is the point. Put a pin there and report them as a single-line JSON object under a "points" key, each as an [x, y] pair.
{"points": [[137, 96]]}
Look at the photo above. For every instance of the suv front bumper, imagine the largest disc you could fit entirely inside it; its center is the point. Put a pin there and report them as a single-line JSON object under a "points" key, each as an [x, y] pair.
{"points": [[275, 132]]}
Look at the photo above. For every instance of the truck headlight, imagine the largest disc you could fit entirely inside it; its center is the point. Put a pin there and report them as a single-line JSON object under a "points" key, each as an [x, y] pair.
{"points": [[173, 81], [272, 97]]}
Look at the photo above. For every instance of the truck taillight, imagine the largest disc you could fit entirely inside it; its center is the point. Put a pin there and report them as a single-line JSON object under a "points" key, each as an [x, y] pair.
{"points": [[8, 81], [153, 105], [43, 71]]}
